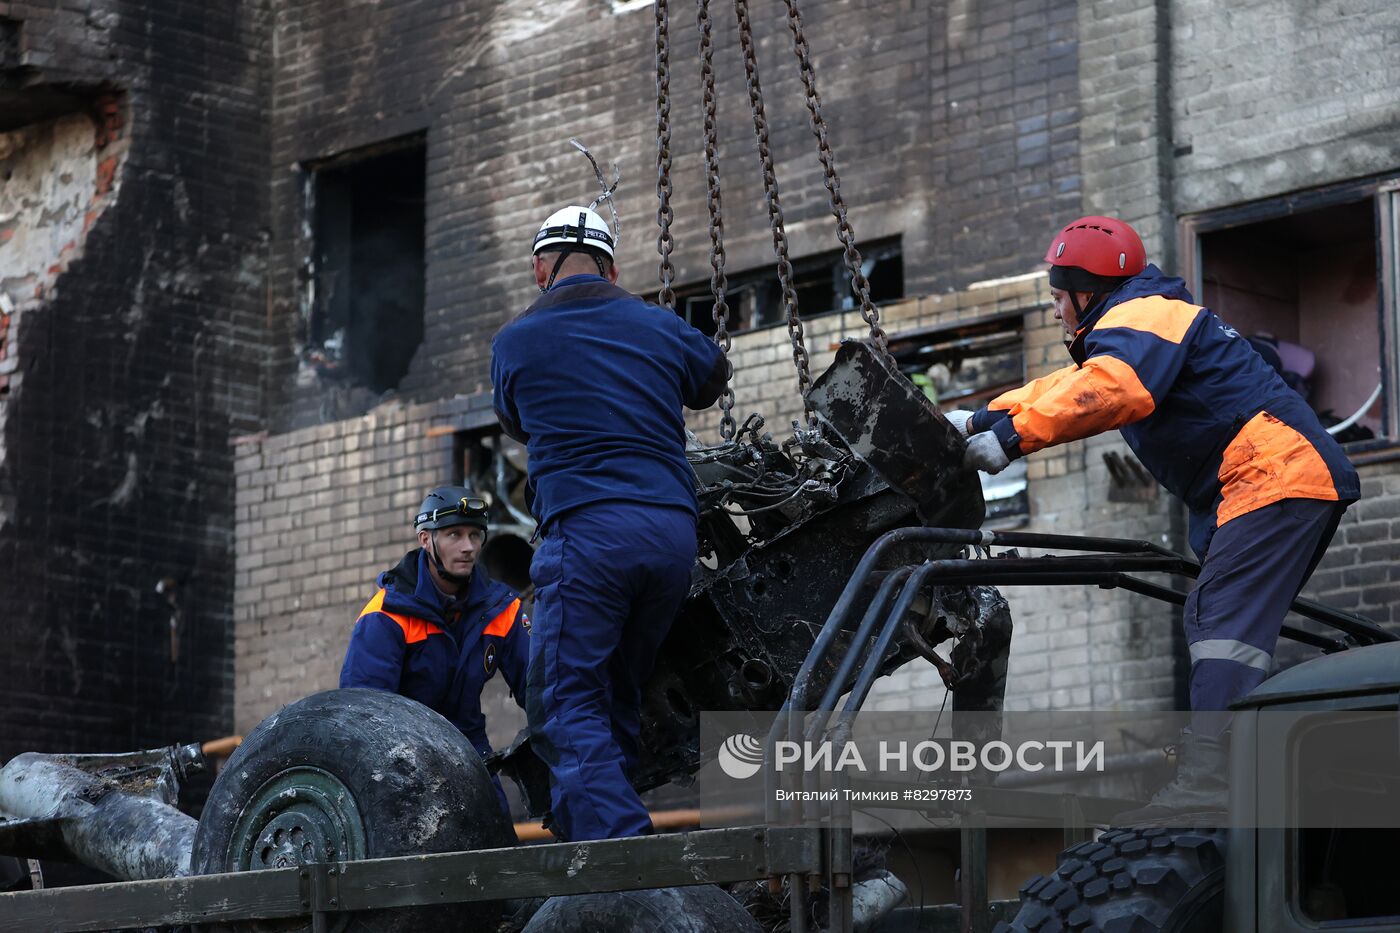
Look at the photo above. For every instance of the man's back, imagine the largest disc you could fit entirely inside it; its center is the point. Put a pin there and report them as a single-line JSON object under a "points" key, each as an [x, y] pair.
{"points": [[593, 379]]}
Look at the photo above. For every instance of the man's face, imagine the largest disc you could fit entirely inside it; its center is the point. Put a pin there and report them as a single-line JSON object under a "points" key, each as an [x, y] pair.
{"points": [[457, 547], [1064, 310]]}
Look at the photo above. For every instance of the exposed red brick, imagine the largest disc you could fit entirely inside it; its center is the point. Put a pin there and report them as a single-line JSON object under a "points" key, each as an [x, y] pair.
{"points": [[106, 174]]}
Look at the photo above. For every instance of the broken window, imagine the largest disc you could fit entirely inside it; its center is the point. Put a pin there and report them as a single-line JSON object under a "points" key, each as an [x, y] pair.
{"points": [[964, 367], [366, 268], [495, 467], [822, 283], [1309, 280]]}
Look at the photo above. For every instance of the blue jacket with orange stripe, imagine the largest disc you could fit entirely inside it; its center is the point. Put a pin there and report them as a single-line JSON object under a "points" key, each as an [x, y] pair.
{"points": [[1204, 412], [412, 640]]}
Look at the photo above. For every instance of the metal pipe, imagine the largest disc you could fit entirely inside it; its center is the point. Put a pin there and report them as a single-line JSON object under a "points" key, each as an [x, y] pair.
{"points": [[1137, 555], [1078, 543], [797, 902], [797, 696], [874, 898], [861, 689], [856, 652], [1134, 585], [840, 900], [119, 817]]}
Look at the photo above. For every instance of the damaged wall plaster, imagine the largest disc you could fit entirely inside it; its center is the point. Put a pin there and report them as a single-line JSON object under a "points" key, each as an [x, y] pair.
{"points": [[59, 178]]}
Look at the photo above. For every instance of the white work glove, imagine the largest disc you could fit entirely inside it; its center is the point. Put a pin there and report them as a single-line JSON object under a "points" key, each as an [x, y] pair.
{"points": [[984, 453], [962, 420]]}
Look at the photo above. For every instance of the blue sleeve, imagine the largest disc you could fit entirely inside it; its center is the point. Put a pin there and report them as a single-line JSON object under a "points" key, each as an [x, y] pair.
{"points": [[984, 419], [515, 656], [706, 368], [501, 399], [374, 657]]}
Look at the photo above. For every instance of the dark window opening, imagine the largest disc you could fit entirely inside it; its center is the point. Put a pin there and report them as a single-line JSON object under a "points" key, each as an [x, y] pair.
{"points": [[368, 269], [1306, 289], [822, 283], [496, 468], [1341, 871], [963, 367]]}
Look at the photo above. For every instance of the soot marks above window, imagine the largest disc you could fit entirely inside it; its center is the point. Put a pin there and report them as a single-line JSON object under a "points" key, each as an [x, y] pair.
{"points": [[822, 283]]}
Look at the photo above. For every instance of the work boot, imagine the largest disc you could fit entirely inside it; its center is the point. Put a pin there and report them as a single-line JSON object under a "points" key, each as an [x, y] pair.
{"points": [[1201, 782]]}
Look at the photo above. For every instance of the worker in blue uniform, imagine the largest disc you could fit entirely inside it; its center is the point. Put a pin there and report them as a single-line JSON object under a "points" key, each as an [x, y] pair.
{"points": [[1218, 427], [438, 627], [593, 381]]}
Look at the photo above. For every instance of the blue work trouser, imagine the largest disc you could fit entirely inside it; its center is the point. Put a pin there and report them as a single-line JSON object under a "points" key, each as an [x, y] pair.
{"points": [[609, 579], [1254, 569]]}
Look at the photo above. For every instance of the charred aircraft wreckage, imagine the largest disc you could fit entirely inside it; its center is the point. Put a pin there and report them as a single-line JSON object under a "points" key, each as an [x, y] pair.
{"points": [[354, 774]]}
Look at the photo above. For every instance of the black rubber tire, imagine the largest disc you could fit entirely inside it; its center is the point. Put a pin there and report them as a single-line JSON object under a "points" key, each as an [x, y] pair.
{"points": [[416, 786], [1140, 880], [700, 909]]}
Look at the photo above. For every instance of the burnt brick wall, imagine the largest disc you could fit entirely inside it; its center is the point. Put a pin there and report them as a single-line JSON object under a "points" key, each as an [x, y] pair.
{"points": [[969, 129], [955, 126], [135, 365]]}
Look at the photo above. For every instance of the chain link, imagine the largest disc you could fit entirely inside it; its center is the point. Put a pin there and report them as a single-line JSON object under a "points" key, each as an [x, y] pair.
{"points": [[718, 283], [665, 243], [847, 236], [775, 208]]}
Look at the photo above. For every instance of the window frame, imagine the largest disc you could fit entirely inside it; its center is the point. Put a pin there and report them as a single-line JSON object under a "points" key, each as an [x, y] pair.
{"points": [[1384, 193], [991, 325], [832, 262]]}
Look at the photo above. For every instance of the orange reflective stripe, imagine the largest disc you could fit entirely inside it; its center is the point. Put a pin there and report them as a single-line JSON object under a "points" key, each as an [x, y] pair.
{"points": [[1268, 461], [414, 630], [1161, 317], [504, 620], [1105, 393], [376, 601], [1031, 390]]}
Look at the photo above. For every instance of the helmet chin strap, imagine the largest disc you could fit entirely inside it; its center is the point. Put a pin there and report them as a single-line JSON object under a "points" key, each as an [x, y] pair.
{"points": [[558, 263], [443, 571], [1094, 299]]}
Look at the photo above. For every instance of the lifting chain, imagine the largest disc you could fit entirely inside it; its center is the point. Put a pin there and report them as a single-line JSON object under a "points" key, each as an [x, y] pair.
{"points": [[775, 209], [847, 236], [718, 283], [665, 243]]}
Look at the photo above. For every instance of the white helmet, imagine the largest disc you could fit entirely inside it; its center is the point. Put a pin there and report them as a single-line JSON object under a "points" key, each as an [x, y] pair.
{"points": [[577, 227]]}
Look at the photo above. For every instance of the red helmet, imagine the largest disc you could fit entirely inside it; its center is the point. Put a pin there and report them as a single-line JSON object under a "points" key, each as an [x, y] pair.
{"points": [[1102, 246]]}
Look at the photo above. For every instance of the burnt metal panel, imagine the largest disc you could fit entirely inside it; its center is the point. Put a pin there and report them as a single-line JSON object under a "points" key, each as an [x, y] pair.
{"points": [[890, 424]]}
